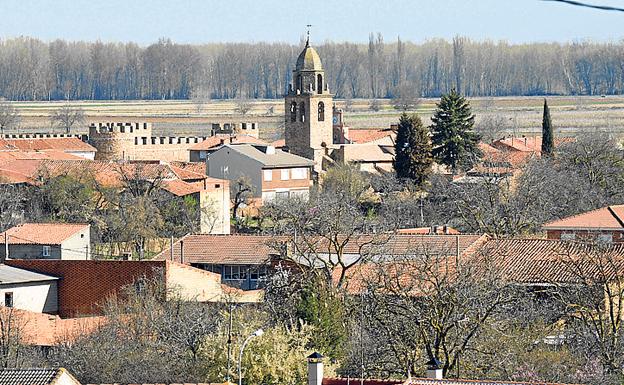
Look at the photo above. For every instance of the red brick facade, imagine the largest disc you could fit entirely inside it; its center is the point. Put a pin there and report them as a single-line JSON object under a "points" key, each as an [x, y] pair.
{"points": [[84, 286]]}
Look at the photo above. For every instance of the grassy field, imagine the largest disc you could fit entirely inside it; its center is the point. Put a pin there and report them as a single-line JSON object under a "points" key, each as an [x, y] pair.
{"points": [[181, 117]]}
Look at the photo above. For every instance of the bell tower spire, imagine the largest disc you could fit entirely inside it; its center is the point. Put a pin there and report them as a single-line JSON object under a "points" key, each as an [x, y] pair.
{"points": [[308, 108]]}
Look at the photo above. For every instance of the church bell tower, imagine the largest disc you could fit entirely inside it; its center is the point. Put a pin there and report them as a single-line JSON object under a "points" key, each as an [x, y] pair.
{"points": [[308, 109]]}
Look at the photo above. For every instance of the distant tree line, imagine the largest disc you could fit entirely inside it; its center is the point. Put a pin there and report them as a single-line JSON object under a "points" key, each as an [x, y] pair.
{"points": [[31, 69]]}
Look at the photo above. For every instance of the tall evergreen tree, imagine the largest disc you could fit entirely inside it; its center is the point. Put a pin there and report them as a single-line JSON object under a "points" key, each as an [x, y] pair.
{"points": [[548, 138], [455, 143], [413, 158]]}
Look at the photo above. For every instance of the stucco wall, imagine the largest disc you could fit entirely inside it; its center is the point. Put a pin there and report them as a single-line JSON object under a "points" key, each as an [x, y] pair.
{"points": [[77, 246], [193, 284], [215, 204], [40, 297]]}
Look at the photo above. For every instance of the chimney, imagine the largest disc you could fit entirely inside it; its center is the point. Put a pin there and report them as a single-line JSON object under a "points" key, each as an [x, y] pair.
{"points": [[315, 369], [270, 150], [446, 230], [434, 369]]}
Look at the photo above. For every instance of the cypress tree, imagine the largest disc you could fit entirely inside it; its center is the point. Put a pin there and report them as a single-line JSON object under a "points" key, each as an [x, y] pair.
{"points": [[455, 143], [413, 158], [548, 138]]}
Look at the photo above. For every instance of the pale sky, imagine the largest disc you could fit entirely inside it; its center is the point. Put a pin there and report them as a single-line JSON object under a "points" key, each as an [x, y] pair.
{"points": [[197, 21]]}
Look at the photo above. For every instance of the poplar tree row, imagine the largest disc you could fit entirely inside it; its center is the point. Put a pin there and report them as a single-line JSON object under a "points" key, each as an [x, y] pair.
{"points": [[31, 69]]}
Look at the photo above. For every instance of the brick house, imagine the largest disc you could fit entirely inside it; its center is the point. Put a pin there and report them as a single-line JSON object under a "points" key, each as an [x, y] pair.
{"points": [[605, 224], [85, 286], [46, 241], [273, 173]]}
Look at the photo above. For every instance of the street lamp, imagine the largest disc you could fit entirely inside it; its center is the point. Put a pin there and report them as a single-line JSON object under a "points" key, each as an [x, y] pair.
{"points": [[257, 333]]}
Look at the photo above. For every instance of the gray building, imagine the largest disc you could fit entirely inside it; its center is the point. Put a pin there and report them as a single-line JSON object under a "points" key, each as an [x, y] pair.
{"points": [[272, 172], [46, 241], [26, 290]]}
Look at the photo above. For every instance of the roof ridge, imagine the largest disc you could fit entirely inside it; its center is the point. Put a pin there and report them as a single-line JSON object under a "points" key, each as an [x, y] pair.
{"points": [[617, 218]]}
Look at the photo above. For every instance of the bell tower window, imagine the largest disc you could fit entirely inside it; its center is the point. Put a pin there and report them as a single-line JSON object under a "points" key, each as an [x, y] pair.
{"points": [[299, 86], [302, 112], [319, 83], [321, 111], [293, 111]]}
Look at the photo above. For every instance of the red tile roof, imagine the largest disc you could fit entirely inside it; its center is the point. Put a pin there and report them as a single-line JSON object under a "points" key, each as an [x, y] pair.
{"points": [[50, 154], [428, 381], [462, 381], [605, 218], [222, 249], [215, 141], [48, 330], [526, 144], [356, 381], [369, 135], [41, 144], [534, 261], [280, 143], [42, 233], [179, 181], [196, 167]]}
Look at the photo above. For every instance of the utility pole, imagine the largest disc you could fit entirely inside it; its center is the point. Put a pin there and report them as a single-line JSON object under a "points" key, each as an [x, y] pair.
{"points": [[6, 245], [229, 346]]}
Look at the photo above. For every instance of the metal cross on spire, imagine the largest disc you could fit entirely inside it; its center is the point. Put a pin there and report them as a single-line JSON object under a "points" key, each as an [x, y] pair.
{"points": [[308, 33]]}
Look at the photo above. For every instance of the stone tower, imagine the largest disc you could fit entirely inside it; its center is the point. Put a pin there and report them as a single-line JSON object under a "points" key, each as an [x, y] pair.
{"points": [[308, 109]]}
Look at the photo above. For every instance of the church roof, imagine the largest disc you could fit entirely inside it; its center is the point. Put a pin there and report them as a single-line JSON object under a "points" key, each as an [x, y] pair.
{"points": [[309, 60]]}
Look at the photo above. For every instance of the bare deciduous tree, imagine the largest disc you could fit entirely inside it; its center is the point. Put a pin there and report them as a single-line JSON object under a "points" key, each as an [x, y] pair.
{"points": [[9, 116], [67, 117], [406, 98], [243, 106]]}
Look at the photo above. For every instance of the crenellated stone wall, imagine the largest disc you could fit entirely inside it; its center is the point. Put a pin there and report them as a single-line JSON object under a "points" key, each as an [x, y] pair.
{"points": [[135, 140]]}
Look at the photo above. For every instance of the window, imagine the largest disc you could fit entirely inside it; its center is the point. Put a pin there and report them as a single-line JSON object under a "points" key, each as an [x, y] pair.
{"points": [[46, 251], [299, 173], [234, 273], [568, 236], [299, 83], [282, 194], [8, 299], [268, 175], [293, 111], [606, 238], [284, 174], [302, 112], [258, 273], [319, 84], [321, 112]]}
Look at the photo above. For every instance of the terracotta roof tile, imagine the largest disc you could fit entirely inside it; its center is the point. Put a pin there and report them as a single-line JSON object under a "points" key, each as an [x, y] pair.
{"points": [[226, 249], [369, 135], [280, 143], [42, 233], [213, 142], [47, 330], [42, 144], [604, 218]]}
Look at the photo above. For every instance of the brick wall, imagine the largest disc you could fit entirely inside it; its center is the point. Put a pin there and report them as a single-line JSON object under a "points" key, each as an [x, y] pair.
{"points": [[617, 235], [84, 286]]}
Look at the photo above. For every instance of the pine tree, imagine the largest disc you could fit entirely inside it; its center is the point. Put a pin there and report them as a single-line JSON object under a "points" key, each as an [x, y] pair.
{"points": [[455, 143], [413, 158], [548, 138]]}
